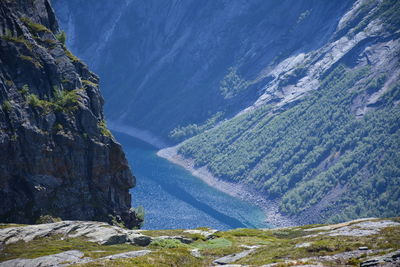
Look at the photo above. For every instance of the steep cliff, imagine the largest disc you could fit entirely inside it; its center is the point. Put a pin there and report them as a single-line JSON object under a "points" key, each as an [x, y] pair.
{"points": [[57, 156]]}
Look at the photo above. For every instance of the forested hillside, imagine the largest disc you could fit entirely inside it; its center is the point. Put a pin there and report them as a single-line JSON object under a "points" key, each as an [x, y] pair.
{"points": [[334, 151]]}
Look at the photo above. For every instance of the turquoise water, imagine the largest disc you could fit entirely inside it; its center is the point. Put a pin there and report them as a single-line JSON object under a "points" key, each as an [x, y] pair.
{"points": [[173, 198]]}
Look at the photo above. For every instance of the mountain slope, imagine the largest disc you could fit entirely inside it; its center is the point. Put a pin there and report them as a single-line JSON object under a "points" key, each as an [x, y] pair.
{"points": [[57, 156], [175, 63], [324, 136]]}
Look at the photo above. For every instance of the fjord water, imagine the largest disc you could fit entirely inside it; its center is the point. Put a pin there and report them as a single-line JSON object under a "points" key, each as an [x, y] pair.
{"points": [[173, 198]]}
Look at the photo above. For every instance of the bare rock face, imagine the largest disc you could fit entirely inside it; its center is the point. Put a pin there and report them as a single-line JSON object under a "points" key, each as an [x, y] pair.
{"points": [[57, 156], [97, 232]]}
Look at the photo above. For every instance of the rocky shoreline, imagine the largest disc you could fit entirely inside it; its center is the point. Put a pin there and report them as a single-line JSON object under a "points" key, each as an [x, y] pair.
{"points": [[241, 191]]}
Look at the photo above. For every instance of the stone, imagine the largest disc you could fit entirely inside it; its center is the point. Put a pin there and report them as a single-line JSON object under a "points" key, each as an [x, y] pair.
{"points": [[68, 258], [195, 253], [125, 255], [233, 257], [60, 259], [303, 245], [97, 232], [390, 259], [208, 234]]}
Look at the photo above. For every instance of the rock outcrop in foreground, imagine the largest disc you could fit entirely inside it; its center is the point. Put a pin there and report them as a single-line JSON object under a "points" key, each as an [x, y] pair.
{"points": [[364, 242], [57, 156]]}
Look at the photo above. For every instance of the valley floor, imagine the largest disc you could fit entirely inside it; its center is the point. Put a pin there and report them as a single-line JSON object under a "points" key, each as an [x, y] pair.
{"points": [[364, 242]]}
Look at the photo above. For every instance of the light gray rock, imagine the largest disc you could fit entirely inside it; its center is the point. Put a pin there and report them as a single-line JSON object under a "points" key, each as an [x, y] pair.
{"points": [[390, 259], [68, 258], [303, 245], [195, 253], [126, 255], [233, 257], [97, 232], [60, 259], [353, 228], [206, 234]]}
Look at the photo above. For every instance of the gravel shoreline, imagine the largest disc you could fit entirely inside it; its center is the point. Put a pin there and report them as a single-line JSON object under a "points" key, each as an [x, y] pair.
{"points": [[237, 190]]}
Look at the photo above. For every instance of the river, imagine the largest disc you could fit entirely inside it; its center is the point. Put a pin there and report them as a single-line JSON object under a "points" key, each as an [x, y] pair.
{"points": [[173, 198]]}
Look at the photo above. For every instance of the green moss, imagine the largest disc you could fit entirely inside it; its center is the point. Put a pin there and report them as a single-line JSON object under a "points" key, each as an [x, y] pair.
{"points": [[214, 243], [167, 243], [70, 55], [47, 219], [53, 245], [103, 128], [62, 37], [164, 258], [9, 225], [155, 233], [17, 39], [6, 106], [24, 90], [14, 137], [63, 101], [89, 83], [34, 27], [32, 60]]}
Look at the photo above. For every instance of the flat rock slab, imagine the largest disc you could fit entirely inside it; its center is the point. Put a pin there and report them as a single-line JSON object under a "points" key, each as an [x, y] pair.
{"points": [[68, 258], [60, 259], [362, 228], [390, 259], [98, 232], [126, 255], [233, 257]]}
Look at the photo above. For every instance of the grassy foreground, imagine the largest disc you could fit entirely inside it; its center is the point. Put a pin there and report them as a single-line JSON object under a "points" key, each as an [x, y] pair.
{"points": [[331, 245]]}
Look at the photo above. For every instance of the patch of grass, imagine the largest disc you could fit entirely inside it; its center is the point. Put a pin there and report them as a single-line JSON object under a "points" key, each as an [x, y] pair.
{"points": [[70, 55], [89, 83], [9, 225], [32, 60], [103, 128], [154, 233], [63, 101], [17, 39], [24, 90], [6, 106], [214, 243], [167, 243], [62, 37], [34, 27], [47, 219], [163, 258], [55, 244]]}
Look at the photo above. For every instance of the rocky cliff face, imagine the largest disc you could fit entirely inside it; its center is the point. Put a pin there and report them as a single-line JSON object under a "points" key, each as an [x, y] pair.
{"points": [[57, 156]]}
